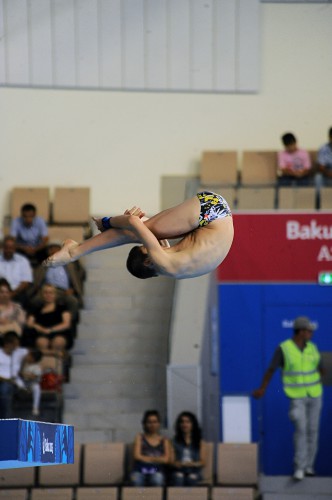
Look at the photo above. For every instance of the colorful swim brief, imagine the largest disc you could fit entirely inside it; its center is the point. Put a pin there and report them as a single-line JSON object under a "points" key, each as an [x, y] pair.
{"points": [[213, 206]]}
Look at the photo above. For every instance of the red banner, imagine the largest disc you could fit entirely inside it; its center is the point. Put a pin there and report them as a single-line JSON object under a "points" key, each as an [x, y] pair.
{"points": [[279, 248]]}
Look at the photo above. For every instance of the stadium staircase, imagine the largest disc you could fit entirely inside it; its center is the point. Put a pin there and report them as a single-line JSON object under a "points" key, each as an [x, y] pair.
{"points": [[121, 351]]}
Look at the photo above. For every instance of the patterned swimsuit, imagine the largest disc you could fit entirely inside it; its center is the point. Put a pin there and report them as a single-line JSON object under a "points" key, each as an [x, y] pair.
{"points": [[213, 206]]}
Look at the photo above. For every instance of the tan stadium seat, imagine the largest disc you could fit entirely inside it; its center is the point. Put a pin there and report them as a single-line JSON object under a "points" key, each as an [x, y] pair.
{"points": [[38, 196], [52, 493], [136, 493], [259, 167], [61, 233], [103, 463], [219, 493], [207, 471], [62, 475], [17, 494], [187, 493], [255, 198], [10, 477], [313, 157], [237, 464], [71, 205], [229, 194], [218, 168], [297, 198], [96, 493], [325, 198]]}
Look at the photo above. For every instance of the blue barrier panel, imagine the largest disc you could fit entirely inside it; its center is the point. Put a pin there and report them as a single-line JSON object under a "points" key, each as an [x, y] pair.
{"points": [[25, 443], [253, 320]]}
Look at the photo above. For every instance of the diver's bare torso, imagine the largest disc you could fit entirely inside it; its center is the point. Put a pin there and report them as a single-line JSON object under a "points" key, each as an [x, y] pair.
{"points": [[203, 249]]}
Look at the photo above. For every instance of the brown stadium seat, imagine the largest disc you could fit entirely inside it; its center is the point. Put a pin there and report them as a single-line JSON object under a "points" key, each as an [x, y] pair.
{"points": [[297, 198], [103, 463], [218, 168], [255, 198], [237, 464], [38, 196], [71, 205], [259, 167]]}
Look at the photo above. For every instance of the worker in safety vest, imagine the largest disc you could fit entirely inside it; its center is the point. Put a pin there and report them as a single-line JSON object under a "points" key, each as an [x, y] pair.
{"points": [[302, 368]]}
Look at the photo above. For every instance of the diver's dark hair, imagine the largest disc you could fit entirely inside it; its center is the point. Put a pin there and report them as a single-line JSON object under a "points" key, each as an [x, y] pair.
{"points": [[136, 264]]}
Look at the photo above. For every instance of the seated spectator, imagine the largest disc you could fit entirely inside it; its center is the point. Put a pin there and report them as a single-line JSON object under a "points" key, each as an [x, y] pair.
{"points": [[31, 234], [49, 325], [324, 161], [12, 316], [66, 280], [11, 356], [16, 269], [294, 165], [30, 377], [151, 453], [188, 451]]}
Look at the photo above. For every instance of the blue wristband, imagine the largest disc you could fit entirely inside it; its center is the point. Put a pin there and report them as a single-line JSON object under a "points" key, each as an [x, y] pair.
{"points": [[106, 222]]}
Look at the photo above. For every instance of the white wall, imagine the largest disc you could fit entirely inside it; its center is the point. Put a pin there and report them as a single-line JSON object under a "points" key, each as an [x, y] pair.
{"points": [[120, 144]]}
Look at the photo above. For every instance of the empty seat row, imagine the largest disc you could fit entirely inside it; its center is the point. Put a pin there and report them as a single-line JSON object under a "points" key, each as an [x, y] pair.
{"points": [[107, 464], [129, 493], [256, 168], [282, 198], [67, 206]]}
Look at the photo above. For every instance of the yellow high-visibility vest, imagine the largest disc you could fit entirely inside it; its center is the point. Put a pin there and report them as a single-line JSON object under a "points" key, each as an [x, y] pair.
{"points": [[300, 376]]}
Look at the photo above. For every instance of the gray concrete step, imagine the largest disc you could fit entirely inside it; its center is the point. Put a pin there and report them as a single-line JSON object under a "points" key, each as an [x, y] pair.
{"points": [[93, 359], [114, 389], [94, 435], [99, 301], [122, 330], [102, 436], [285, 488], [120, 405], [295, 496], [114, 373], [104, 421], [110, 286], [128, 316], [132, 348]]}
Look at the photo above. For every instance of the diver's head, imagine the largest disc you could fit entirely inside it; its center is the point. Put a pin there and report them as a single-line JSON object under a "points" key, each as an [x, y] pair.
{"points": [[139, 263]]}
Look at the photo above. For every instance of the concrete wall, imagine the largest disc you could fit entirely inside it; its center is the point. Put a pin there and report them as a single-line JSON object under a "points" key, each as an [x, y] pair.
{"points": [[193, 370]]}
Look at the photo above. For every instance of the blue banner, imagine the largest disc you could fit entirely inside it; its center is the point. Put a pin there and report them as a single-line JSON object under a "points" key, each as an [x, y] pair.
{"points": [[36, 443]]}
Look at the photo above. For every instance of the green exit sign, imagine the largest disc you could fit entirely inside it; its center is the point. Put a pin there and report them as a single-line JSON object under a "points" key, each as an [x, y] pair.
{"points": [[325, 278]]}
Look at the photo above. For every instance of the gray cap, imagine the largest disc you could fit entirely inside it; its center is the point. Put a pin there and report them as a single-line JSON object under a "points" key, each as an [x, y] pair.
{"points": [[303, 323]]}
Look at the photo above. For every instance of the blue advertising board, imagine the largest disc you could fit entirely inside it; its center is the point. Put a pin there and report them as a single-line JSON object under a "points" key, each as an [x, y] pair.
{"points": [[254, 320], [26, 443]]}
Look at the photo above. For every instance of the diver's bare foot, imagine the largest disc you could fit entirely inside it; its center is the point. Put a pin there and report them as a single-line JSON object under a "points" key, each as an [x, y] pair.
{"points": [[63, 256]]}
